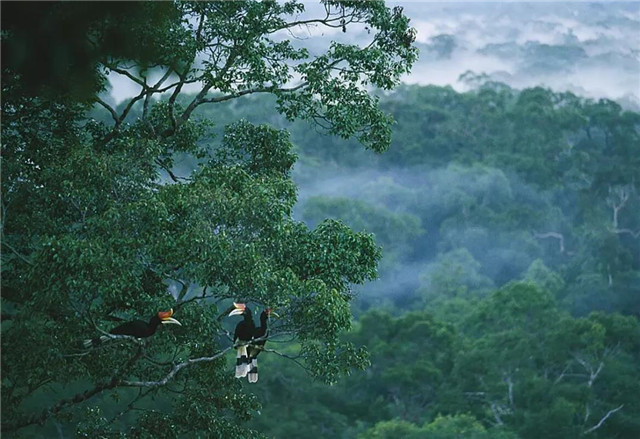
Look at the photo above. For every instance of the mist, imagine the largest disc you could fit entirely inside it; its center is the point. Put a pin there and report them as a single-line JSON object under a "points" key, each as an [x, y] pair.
{"points": [[591, 49], [443, 202]]}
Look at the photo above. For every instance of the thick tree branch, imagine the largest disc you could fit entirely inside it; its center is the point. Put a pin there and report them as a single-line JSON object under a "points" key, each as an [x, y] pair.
{"points": [[126, 73], [110, 109], [153, 90]]}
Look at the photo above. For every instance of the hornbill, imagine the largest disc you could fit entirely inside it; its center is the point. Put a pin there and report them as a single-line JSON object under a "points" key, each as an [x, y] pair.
{"points": [[260, 336], [137, 328], [243, 334]]}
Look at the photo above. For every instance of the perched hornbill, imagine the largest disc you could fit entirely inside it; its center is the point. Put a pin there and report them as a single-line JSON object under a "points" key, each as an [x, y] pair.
{"points": [[260, 334], [243, 334], [137, 328]]}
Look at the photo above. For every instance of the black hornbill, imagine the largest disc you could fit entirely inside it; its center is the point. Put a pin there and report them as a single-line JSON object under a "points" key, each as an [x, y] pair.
{"points": [[260, 334], [243, 333], [137, 328]]}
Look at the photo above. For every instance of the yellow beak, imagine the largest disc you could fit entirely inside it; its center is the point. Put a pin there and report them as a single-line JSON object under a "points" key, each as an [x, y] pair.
{"points": [[240, 307]]}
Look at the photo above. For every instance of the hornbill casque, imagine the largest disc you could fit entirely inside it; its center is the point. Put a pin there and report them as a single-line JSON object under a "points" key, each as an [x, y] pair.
{"points": [[246, 331], [137, 328]]}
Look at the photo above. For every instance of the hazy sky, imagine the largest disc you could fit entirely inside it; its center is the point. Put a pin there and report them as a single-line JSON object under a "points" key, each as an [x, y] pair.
{"points": [[590, 48]]}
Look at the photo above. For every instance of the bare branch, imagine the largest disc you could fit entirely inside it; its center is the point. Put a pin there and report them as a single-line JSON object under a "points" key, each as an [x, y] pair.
{"points": [[126, 73], [162, 80], [253, 90], [510, 392], [563, 373], [604, 418], [176, 368], [153, 90], [555, 235], [618, 197], [496, 413], [14, 251], [178, 83], [593, 374], [635, 234], [110, 109], [207, 86], [289, 357], [168, 170], [203, 296]]}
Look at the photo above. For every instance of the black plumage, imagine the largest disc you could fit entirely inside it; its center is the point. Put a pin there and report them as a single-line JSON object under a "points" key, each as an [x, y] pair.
{"points": [[260, 336], [243, 334], [136, 328]]}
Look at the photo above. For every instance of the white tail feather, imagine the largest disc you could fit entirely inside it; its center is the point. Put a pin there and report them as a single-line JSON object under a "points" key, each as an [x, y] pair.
{"points": [[252, 376], [242, 362], [94, 341]]}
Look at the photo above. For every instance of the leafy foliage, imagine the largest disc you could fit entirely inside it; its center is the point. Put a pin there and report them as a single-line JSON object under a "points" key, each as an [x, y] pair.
{"points": [[507, 301], [98, 224]]}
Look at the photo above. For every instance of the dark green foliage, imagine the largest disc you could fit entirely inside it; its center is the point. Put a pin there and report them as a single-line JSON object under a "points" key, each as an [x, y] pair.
{"points": [[518, 366], [516, 200], [99, 224], [507, 305]]}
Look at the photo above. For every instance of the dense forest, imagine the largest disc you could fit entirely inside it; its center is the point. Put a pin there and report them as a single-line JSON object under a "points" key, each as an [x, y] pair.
{"points": [[440, 264], [507, 303]]}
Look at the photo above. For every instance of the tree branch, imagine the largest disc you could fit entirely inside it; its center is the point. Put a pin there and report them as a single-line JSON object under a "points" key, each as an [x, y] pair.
{"points": [[141, 394], [77, 398], [604, 418], [555, 235], [124, 72], [496, 413], [168, 170], [172, 373], [635, 234], [110, 109], [207, 86], [153, 90], [253, 90], [289, 357], [22, 257], [111, 384]]}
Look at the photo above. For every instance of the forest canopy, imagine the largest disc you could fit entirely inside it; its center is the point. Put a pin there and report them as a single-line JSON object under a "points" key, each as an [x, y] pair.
{"points": [[455, 264], [507, 303]]}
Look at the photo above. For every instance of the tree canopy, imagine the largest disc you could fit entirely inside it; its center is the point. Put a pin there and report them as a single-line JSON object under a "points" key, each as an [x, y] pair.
{"points": [[98, 225]]}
